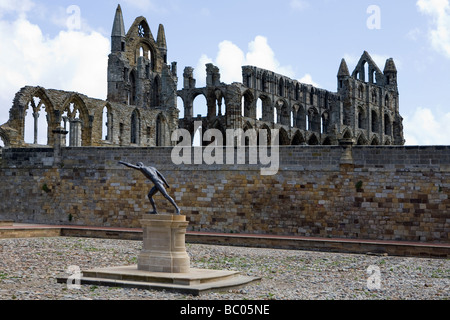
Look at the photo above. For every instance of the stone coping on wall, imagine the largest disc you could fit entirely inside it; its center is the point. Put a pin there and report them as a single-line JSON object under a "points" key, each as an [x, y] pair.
{"points": [[335, 245]]}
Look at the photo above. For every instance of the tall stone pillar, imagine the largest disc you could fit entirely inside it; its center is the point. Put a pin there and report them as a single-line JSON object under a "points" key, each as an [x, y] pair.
{"points": [[36, 125], [75, 133], [164, 247], [59, 142]]}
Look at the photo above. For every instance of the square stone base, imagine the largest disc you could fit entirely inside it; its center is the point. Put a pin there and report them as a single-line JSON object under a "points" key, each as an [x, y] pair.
{"points": [[194, 282], [164, 247]]}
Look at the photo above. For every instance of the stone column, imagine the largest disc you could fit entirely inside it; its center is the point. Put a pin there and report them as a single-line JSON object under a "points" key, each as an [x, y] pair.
{"points": [[75, 133], [36, 125], [164, 247], [59, 142]]}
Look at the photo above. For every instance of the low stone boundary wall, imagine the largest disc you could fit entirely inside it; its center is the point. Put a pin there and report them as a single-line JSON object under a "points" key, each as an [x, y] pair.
{"points": [[385, 193]]}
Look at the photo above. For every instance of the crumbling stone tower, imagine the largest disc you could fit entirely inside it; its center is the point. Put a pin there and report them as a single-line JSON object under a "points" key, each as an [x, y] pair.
{"points": [[138, 75], [370, 99]]}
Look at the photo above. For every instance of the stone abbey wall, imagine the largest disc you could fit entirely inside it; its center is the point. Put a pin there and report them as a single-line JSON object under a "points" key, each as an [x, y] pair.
{"points": [[390, 193]]}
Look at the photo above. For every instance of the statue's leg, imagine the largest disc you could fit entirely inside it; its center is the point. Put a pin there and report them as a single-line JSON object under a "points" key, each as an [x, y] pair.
{"points": [[166, 195], [150, 197]]}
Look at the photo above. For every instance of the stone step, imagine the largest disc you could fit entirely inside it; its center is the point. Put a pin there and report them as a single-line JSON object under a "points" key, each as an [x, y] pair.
{"points": [[131, 273], [196, 282]]}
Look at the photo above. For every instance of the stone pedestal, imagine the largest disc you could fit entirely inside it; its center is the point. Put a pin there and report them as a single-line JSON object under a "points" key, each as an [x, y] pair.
{"points": [[164, 248], [163, 264]]}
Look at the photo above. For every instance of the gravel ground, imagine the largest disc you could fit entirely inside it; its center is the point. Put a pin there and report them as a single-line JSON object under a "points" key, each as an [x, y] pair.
{"points": [[29, 267]]}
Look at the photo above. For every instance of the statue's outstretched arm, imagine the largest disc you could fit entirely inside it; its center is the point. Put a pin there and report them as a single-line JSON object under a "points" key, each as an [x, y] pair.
{"points": [[129, 165]]}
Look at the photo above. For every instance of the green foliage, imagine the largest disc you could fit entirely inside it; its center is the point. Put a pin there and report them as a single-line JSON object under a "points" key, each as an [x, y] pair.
{"points": [[359, 185], [45, 188]]}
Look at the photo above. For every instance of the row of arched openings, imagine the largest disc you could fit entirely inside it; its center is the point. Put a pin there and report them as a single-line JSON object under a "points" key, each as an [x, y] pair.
{"points": [[73, 120], [298, 117], [375, 122]]}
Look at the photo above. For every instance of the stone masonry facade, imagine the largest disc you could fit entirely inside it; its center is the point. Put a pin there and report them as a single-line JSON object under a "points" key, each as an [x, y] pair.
{"points": [[389, 193]]}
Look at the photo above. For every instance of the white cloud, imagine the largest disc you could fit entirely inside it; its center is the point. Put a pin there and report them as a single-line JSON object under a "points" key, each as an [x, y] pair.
{"points": [[72, 61], [230, 59], [424, 127], [260, 54], [14, 6], [200, 70], [439, 12], [307, 79]]}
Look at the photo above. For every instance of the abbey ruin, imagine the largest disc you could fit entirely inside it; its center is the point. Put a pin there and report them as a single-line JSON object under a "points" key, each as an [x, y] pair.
{"points": [[141, 106]]}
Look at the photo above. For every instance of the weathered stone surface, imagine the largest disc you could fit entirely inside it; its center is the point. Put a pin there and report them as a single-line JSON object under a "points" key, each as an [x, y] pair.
{"points": [[398, 197], [164, 248]]}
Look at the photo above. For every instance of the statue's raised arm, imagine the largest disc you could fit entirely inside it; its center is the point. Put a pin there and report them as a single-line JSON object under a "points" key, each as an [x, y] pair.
{"points": [[129, 165]]}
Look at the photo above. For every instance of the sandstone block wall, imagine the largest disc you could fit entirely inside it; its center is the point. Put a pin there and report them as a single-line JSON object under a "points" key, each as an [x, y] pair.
{"points": [[390, 193]]}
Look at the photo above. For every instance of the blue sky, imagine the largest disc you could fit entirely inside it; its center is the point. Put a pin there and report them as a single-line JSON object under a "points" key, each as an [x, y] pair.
{"points": [[43, 44]]}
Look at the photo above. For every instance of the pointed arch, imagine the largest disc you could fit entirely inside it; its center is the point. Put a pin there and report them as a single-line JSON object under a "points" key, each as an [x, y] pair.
{"points": [[327, 141], [284, 138], [347, 134], [267, 108], [361, 118], [156, 91], [313, 141], [248, 105], [132, 95], [75, 119], [362, 141], [387, 125], [375, 121], [298, 139], [325, 122], [107, 123], [283, 114], [36, 122], [375, 141], [161, 130], [314, 120]]}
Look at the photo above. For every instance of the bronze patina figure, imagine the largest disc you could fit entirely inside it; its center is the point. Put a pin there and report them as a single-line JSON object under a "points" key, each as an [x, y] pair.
{"points": [[158, 179]]}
